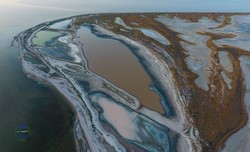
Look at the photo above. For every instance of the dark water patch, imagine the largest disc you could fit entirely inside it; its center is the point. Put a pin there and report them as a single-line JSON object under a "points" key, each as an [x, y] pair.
{"points": [[29, 57], [84, 85], [23, 100], [45, 69], [174, 137], [56, 53], [50, 121], [166, 104], [55, 48]]}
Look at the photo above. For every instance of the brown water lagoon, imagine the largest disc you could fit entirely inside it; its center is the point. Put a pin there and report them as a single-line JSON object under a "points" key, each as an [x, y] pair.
{"points": [[114, 61]]}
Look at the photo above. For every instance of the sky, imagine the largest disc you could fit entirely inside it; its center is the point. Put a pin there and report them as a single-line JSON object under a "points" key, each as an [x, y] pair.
{"points": [[138, 5], [18, 15]]}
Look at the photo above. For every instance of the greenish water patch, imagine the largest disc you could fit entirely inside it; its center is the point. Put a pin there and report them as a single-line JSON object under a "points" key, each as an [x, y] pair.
{"points": [[53, 44], [44, 36]]}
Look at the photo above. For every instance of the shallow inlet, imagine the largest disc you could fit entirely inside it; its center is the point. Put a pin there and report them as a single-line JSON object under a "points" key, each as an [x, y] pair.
{"points": [[115, 62]]}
